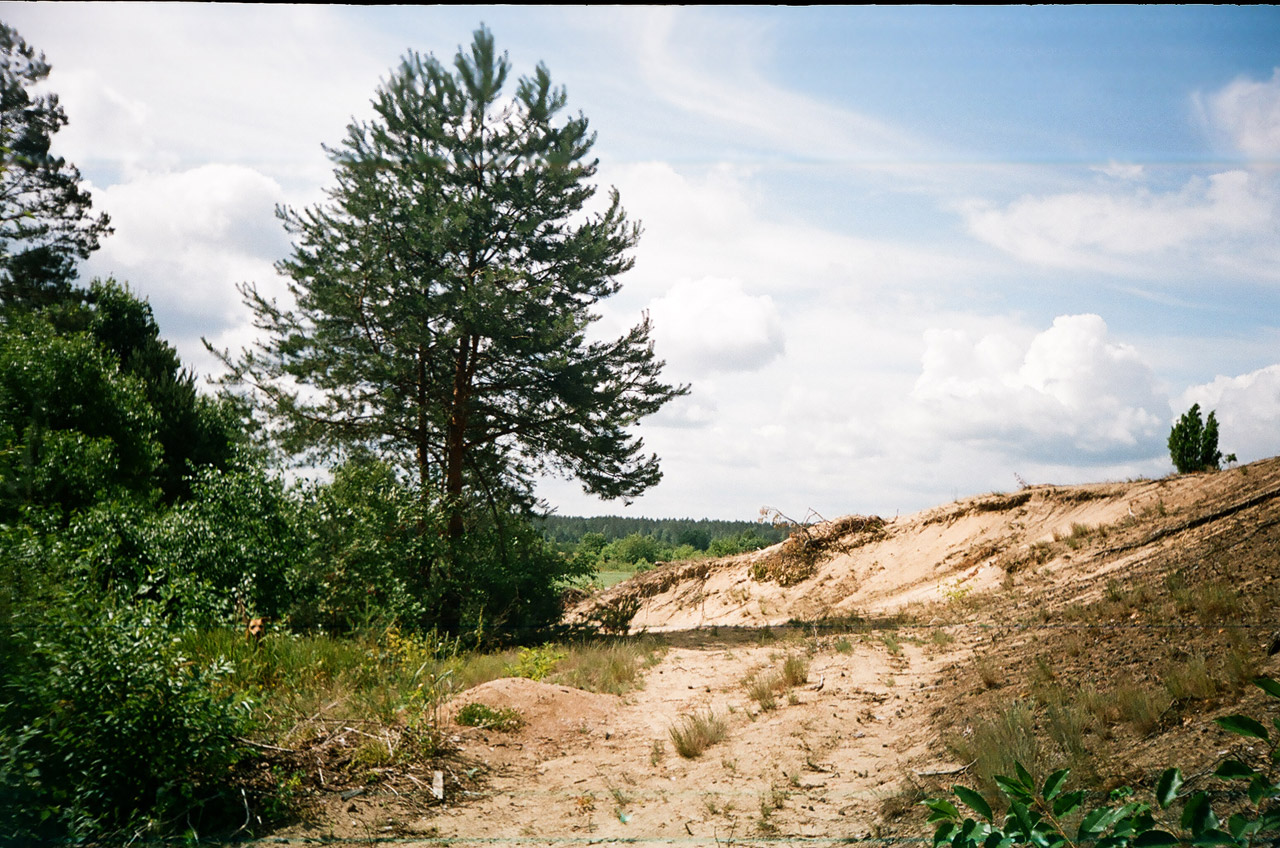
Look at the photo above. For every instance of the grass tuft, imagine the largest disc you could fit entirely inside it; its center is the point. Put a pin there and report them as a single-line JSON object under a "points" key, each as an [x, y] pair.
{"points": [[697, 732]]}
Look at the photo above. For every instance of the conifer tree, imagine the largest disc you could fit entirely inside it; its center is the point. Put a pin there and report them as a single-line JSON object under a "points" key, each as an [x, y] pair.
{"points": [[444, 292], [45, 224]]}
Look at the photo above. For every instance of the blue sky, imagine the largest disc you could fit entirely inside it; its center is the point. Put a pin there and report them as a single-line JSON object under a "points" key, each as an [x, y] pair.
{"points": [[901, 254]]}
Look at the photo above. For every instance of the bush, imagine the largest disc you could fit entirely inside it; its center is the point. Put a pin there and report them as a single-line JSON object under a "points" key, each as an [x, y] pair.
{"points": [[105, 727]]}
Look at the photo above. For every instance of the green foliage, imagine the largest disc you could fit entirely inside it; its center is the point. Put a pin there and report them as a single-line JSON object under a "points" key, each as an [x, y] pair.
{"points": [[1046, 816], [45, 225], [106, 728], [536, 663], [361, 566], [73, 429], [194, 431], [1193, 443], [443, 298], [502, 719]]}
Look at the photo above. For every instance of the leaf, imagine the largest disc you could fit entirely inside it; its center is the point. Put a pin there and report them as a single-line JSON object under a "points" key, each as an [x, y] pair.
{"points": [[1025, 777], [1239, 825], [1242, 726], [1155, 839], [973, 800], [1260, 787], [1053, 785], [1266, 684], [1014, 788], [1198, 816], [1065, 805], [1232, 769], [1167, 787], [942, 809], [1213, 836], [1094, 822]]}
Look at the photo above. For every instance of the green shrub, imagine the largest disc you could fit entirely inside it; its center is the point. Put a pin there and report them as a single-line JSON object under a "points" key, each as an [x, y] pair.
{"points": [[106, 727]]}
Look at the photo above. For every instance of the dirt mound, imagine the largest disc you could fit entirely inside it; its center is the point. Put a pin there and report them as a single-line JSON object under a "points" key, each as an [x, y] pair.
{"points": [[549, 714]]}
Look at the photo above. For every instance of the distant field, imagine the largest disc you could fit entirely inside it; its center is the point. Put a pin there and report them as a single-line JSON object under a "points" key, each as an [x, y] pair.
{"points": [[612, 578]]}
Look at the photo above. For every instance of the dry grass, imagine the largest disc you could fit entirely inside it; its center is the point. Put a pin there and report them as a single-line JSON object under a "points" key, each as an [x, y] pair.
{"points": [[697, 732]]}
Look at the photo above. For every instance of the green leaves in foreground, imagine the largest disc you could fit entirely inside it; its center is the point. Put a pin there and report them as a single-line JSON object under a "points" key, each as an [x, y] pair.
{"points": [[1039, 816]]}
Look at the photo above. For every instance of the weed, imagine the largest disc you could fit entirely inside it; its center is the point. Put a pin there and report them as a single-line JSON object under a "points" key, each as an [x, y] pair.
{"points": [[536, 663], [696, 733], [891, 643], [657, 752], [795, 670], [760, 688], [988, 672], [843, 645], [1141, 708], [501, 719], [1189, 678], [611, 667], [995, 742], [940, 638]]}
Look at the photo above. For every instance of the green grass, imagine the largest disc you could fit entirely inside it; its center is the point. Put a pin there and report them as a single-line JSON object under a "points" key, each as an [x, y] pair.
{"points": [[612, 578]]}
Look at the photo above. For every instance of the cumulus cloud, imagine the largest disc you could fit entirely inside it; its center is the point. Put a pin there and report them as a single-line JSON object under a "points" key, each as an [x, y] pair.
{"points": [[185, 239], [1247, 112], [712, 324], [1247, 408], [1228, 219], [1071, 391]]}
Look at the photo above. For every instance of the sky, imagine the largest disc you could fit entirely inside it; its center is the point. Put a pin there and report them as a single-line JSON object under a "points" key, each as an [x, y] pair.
{"points": [[900, 255]]}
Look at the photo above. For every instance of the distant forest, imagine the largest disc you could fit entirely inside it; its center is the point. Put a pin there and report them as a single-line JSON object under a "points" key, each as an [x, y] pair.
{"points": [[699, 533]]}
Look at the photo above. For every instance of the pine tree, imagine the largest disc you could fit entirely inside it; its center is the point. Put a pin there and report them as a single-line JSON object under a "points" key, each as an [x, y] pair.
{"points": [[45, 225], [444, 293]]}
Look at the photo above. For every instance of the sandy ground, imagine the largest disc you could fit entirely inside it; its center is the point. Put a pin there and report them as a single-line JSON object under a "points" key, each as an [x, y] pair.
{"points": [[833, 759]]}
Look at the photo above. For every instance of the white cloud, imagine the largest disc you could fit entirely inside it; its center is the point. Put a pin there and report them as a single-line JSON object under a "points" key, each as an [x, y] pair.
{"points": [[1228, 220], [712, 324], [711, 67], [184, 240], [1121, 170], [1247, 112], [1247, 408], [1069, 392]]}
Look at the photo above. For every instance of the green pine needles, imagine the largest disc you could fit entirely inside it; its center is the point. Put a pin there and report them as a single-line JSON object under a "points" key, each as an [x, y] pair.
{"points": [[443, 296]]}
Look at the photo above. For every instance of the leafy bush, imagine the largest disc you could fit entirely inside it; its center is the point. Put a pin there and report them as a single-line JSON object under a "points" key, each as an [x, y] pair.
{"points": [[1038, 816], [105, 726]]}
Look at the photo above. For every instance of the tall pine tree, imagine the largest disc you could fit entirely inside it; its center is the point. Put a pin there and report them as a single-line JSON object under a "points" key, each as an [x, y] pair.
{"points": [[444, 293], [45, 223]]}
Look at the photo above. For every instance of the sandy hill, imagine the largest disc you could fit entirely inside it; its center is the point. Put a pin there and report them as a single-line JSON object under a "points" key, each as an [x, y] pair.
{"points": [[1067, 536], [1097, 627]]}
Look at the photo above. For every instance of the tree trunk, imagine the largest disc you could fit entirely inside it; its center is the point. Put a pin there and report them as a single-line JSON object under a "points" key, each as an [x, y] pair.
{"points": [[455, 438]]}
